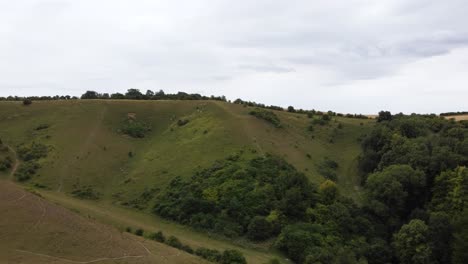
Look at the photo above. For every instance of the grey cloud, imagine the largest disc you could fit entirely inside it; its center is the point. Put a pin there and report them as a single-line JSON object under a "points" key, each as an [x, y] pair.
{"points": [[55, 47]]}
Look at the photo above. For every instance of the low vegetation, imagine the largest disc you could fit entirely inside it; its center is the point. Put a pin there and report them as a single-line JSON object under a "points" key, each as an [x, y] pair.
{"points": [[85, 192], [228, 256], [266, 115], [135, 128], [30, 154]]}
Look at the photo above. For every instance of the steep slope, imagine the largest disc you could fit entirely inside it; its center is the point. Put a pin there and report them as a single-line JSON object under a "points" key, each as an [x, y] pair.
{"points": [[88, 156], [35, 231], [86, 149]]}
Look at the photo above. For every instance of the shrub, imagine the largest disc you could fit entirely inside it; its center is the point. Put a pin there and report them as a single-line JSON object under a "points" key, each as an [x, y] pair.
{"points": [[86, 192], [128, 229], [34, 151], [174, 242], [327, 168], [232, 257], [259, 229], [135, 129], [268, 116], [158, 236], [27, 102], [182, 122], [139, 232], [26, 170], [212, 255], [42, 126]]}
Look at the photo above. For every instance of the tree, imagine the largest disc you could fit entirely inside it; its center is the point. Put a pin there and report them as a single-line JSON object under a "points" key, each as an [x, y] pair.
{"points": [[291, 109], [133, 94], [441, 236], [394, 192], [90, 95], [329, 191], [460, 244], [27, 101], [411, 243], [149, 94], [259, 228], [384, 116]]}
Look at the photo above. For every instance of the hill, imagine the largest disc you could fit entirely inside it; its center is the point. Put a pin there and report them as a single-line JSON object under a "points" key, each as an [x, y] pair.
{"points": [[37, 231], [85, 151]]}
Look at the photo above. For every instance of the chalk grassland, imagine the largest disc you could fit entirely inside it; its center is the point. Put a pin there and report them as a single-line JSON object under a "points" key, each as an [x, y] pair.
{"points": [[86, 149], [34, 230]]}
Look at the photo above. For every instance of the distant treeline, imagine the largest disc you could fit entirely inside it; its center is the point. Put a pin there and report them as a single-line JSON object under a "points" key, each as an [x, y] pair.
{"points": [[136, 94], [454, 113]]}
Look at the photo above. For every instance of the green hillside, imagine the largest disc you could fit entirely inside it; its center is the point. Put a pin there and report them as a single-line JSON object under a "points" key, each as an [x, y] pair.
{"points": [[82, 155], [87, 149]]}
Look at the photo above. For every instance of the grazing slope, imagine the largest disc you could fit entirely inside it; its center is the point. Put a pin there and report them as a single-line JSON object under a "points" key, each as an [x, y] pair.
{"points": [[36, 231], [91, 156]]}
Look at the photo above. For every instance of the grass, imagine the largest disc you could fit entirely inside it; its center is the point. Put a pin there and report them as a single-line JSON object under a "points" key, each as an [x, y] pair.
{"points": [[43, 232], [88, 151]]}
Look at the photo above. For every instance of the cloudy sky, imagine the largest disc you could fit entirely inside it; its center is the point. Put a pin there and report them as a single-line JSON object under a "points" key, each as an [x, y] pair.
{"points": [[349, 56]]}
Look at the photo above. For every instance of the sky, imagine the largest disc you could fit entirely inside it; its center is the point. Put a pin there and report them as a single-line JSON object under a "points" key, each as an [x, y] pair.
{"points": [[351, 56]]}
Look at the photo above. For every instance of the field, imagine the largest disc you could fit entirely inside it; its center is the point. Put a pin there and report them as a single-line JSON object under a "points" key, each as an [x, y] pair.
{"points": [[88, 151], [458, 117]]}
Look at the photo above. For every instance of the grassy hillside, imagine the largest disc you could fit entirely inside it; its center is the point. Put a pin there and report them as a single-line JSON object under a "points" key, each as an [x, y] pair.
{"points": [[86, 148], [89, 156], [37, 231]]}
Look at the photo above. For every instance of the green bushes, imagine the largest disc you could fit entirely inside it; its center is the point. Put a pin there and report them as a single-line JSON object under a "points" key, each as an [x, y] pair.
{"points": [[266, 115], [26, 170], [42, 127], [182, 122], [6, 163], [27, 102], [33, 151], [134, 128], [212, 255], [86, 192], [139, 232], [327, 168], [158, 236], [234, 196]]}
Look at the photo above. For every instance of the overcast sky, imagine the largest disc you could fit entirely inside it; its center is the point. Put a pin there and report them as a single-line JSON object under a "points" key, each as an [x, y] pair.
{"points": [[357, 56]]}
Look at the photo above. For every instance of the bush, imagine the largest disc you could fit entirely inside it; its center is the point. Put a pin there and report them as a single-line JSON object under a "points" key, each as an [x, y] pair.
{"points": [[139, 232], [26, 170], [158, 236], [86, 192], [135, 129], [268, 116], [212, 255], [259, 229], [42, 126], [232, 257], [327, 168], [34, 151], [27, 102], [182, 122], [174, 242], [128, 229]]}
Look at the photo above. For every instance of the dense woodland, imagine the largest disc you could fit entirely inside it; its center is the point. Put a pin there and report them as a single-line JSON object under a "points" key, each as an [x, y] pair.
{"points": [[413, 211]]}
